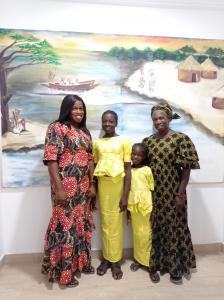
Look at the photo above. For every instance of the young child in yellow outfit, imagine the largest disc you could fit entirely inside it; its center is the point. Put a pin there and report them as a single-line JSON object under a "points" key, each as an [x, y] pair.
{"points": [[140, 206]]}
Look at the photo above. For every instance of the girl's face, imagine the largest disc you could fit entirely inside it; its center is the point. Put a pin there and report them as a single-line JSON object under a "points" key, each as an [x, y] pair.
{"points": [[109, 124], [77, 113], [137, 156], [160, 120]]}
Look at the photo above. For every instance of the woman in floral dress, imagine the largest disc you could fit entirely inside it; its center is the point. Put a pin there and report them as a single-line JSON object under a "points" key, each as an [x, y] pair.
{"points": [[68, 155], [171, 156]]}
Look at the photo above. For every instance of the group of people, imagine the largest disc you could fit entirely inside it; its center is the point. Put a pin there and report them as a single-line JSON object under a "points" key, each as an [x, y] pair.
{"points": [[148, 180]]}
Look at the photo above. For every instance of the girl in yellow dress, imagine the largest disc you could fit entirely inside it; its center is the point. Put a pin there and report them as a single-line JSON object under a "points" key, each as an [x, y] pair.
{"points": [[140, 206], [112, 155]]}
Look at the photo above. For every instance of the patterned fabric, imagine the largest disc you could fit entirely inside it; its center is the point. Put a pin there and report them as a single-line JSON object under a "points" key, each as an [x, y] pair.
{"points": [[140, 195], [172, 249], [68, 237], [164, 106]]}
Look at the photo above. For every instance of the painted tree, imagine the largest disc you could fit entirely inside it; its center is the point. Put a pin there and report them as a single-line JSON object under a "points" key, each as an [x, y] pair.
{"points": [[28, 49]]}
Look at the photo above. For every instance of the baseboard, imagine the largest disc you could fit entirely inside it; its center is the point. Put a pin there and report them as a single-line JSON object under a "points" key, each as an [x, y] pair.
{"points": [[2, 261], [214, 248]]}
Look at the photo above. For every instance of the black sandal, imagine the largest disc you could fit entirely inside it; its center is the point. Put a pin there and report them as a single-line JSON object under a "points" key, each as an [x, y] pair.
{"points": [[135, 266], [154, 276], [176, 280], [103, 267], [71, 284], [116, 271], [88, 270]]}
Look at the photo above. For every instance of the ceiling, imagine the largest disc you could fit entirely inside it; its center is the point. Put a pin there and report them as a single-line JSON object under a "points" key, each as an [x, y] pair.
{"points": [[188, 4]]}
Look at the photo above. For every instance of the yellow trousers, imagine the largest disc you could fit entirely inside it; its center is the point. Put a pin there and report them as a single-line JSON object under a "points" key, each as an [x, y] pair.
{"points": [[142, 237], [110, 191]]}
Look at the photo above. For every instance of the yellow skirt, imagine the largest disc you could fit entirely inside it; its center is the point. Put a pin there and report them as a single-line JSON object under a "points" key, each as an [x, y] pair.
{"points": [[142, 237], [110, 191]]}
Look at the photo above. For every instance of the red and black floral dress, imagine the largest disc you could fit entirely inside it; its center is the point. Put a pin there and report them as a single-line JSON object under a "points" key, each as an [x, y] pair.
{"points": [[68, 237]]}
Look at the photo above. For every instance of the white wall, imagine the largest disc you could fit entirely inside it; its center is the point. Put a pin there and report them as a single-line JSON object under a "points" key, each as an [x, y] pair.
{"points": [[25, 212]]}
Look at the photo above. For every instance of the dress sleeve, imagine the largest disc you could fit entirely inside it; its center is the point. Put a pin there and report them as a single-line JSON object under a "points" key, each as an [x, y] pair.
{"points": [[187, 156], [150, 179], [127, 150], [54, 145], [95, 154]]}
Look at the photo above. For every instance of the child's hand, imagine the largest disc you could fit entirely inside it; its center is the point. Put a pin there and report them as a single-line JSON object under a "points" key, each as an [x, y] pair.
{"points": [[123, 204], [152, 218]]}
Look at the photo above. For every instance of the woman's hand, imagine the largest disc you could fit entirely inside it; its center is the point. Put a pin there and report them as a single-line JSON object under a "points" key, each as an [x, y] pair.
{"points": [[91, 191], [61, 197], [180, 201]]}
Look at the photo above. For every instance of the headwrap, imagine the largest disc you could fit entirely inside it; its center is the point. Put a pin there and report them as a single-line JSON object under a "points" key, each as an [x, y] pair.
{"points": [[164, 106]]}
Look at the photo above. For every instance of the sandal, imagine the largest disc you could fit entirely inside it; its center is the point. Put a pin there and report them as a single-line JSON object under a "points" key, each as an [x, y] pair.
{"points": [[103, 267], [116, 271], [154, 276], [71, 284], [78, 274], [135, 266], [88, 270], [176, 280]]}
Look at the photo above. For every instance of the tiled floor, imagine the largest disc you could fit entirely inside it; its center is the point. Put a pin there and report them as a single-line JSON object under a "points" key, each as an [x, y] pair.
{"points": [[23, 281]]}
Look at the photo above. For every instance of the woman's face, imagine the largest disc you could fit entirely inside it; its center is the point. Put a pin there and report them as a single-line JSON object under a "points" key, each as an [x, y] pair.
{"points": [[109, 123], [77, 113], [160, 120]]}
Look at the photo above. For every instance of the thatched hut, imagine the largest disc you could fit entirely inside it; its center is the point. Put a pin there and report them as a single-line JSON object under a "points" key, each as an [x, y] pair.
{"points": [[189, 70], [209, 69], [218, 99]]}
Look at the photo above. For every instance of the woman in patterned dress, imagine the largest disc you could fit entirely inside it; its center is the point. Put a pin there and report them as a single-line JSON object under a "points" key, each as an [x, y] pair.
{"points": [[171, 156], [68, 155]]}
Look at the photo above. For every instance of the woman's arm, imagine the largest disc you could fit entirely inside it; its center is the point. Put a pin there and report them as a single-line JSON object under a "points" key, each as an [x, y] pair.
{"points": [[181, 194], [127, 185], [92, 180], [56, 181]]}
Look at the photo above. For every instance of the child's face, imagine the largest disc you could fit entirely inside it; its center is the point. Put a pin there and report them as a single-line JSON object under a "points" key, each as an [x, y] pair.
{"points": [[109, 123], [137, 155]]}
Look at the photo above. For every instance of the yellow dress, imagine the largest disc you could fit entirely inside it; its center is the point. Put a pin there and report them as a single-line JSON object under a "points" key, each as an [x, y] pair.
{"points": [[110, 154], [140, 206]]}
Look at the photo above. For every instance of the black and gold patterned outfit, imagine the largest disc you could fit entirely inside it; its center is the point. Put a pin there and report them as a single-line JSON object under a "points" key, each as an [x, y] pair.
{"points": [[172, 249]]}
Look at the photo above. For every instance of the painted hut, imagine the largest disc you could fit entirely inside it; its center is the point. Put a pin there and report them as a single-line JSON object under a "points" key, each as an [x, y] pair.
{"points": [[209, 69], [189, 70], [218, 99]]}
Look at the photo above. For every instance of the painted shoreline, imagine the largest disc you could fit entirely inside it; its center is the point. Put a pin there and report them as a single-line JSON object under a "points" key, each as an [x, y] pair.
{"points": [[158, 80], [30, 139], [194, 99]]}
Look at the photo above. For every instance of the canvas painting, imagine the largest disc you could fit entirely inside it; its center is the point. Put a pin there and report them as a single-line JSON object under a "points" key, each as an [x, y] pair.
{"points": [[128, 74]]}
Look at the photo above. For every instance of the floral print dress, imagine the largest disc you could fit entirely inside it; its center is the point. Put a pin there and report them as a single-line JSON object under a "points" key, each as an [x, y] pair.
{"points": [[68, 237]]}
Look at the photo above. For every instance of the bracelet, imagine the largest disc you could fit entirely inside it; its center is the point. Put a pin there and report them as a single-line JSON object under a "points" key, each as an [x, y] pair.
{"points": [[181, 196], [92, 181]]}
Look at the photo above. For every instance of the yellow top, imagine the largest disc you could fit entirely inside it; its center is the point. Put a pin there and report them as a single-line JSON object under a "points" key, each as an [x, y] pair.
{"points": [[140, 196], [110, 155]]}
